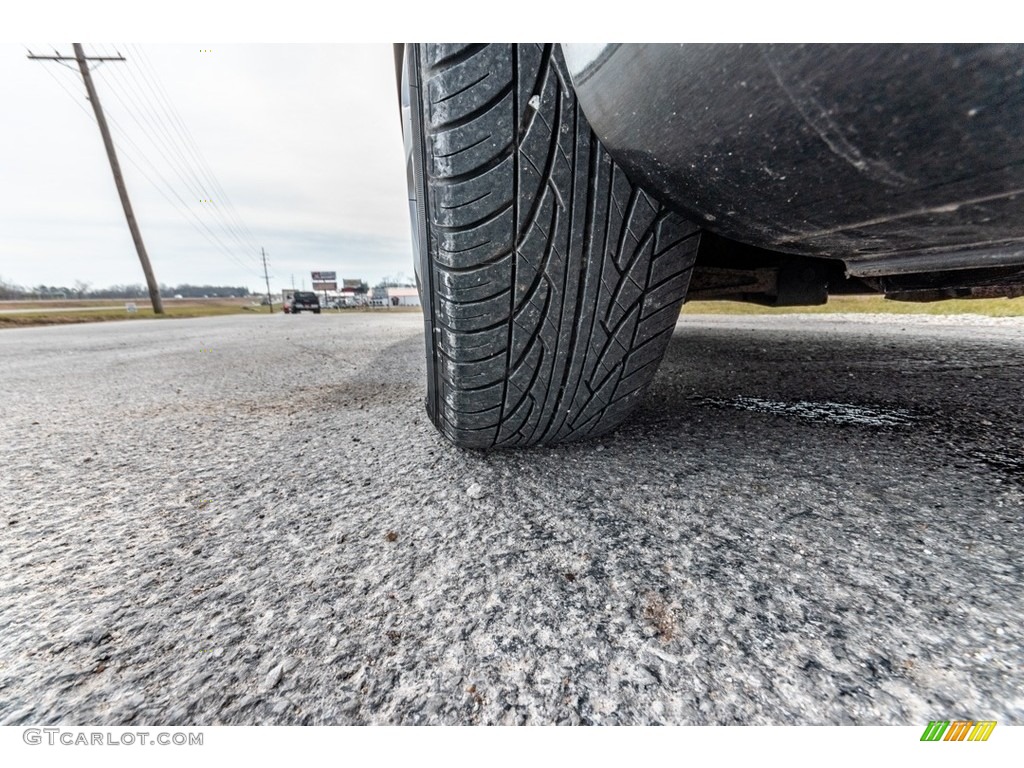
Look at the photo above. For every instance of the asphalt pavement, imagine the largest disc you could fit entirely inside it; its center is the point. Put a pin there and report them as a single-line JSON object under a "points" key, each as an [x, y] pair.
{"points": [[250, 520]]}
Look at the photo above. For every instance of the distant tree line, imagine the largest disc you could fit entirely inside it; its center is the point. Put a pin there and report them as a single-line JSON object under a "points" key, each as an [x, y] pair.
{"points": [[395, 281], [82, 290], [198, 291]]}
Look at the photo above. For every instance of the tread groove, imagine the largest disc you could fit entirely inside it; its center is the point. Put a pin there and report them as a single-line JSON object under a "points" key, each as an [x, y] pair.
{"points": [[455, 58], [485, 107], [462, 90], [470, 226]]}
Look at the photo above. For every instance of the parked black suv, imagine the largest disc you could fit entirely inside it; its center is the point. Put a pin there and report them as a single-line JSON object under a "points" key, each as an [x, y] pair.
{"points": [[305, 301]]}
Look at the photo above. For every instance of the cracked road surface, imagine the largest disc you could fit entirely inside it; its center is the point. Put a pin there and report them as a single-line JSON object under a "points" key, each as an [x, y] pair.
{"points": [[249, 520]]}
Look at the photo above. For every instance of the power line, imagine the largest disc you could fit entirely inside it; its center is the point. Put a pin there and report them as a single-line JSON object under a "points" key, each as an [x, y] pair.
{"points": [[134, 114], [158, 132], [183, 208], [209, 234], [75, 99], [198, 191], [189, 140]]}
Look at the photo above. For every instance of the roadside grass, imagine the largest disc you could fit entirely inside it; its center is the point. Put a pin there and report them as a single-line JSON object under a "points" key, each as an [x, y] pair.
{"points": [[867, 305], [43, 304], [214, 308], [171, 310]]}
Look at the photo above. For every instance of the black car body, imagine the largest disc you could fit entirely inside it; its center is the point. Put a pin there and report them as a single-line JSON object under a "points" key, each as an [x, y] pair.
{"points": [[567, 199], [897, 161]]}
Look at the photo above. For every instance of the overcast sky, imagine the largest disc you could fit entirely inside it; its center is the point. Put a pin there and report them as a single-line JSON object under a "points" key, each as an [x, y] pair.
{"points": [[305, 141]]}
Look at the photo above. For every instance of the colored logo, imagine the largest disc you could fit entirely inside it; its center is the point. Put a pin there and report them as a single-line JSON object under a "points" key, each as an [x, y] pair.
{"points": [[958, 730]]}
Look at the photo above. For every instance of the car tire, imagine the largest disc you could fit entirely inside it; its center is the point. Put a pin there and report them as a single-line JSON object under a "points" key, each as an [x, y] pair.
{"points": [[550, 283]]}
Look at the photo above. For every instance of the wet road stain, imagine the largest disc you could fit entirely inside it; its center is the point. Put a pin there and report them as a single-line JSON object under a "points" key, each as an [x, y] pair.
{"points": [[827, 411]]}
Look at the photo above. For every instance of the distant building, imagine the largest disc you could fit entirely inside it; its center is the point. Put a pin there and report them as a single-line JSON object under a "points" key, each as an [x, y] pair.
{"points": [[394, 296], [403, 296]]}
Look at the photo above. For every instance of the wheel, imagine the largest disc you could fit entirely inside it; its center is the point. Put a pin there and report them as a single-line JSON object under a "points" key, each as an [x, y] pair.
{"points": [[550, 283]]}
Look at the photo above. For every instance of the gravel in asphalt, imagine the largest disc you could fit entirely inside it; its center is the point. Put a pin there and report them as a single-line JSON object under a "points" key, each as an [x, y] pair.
{"points": [[250, 520]]}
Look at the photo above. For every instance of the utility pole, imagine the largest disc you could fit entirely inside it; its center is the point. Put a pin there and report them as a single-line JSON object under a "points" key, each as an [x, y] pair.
{"points": [[115, 167], [267, 278]]}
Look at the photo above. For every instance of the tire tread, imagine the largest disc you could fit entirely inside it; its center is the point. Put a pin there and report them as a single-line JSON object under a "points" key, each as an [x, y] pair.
{"points": [[536, 232]]}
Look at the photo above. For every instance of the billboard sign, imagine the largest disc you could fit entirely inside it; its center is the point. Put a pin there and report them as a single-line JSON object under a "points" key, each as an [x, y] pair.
{"points": [[324, 286], [325, 276]]}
